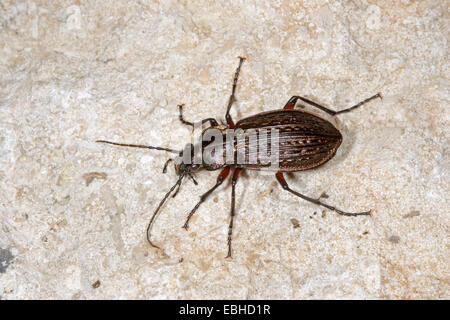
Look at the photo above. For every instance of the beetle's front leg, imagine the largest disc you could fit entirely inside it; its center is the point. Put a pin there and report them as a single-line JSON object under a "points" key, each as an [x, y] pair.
{"points": [[180, 110], [291, 103], [282, 181], [232, 97], [213, 122]]}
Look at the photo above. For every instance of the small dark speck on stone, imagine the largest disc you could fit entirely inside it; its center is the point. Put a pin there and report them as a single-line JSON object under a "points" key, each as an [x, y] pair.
{"points": [[324, 195], [295, 223], [6, 258], [394, 239], [96, 284], [413, 213], [365, 232], [89, 177]]}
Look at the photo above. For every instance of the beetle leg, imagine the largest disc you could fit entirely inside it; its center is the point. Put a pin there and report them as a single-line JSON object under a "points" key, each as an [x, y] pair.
{"points": [[212, 121], [193, 179], [378, 95], [178, 188], [166, 164], [230, 227], [232, 97], [291, 103], [180, 109], [222, 176], [282, 181]]}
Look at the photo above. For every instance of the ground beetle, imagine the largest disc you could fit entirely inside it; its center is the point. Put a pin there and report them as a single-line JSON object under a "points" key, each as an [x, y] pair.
{"points": [[305, 141]]}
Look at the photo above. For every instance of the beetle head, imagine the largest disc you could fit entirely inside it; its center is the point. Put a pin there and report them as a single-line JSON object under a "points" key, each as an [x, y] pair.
{"points": [[185, 162]]}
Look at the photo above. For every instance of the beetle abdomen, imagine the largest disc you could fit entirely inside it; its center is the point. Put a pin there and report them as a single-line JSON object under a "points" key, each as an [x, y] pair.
{"points": [[305, 140]]}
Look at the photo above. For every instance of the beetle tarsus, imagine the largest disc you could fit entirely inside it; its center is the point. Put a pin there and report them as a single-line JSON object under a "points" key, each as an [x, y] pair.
{"points": [[291, 103], [180, 116], [378, 95], [284, 184], [233, 204], [212, 121], [232, 98]]}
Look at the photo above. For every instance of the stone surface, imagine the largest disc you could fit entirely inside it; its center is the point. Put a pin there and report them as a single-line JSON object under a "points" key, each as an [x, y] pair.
{"points": [[73, 213]]}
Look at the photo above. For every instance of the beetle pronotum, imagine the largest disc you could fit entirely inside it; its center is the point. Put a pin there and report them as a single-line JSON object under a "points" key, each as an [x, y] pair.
{"points": [[304, 141]]}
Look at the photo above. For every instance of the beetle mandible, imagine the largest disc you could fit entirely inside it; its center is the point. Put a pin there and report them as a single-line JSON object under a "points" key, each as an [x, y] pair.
{"points": [[305, 141]]}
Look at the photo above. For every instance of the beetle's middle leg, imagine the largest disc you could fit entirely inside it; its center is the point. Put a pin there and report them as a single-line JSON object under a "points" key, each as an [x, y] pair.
{"points": [[291, 103], [282, 181], [232, 97], [222, 176], [230, 227]]}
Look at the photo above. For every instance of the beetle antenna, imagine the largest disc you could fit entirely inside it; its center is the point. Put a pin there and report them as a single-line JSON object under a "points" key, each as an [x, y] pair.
{"points": [[150, 224], [139, 146]]}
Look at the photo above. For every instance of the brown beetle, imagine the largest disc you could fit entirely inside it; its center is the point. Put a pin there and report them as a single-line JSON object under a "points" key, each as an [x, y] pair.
{"points": [[304, 141]]}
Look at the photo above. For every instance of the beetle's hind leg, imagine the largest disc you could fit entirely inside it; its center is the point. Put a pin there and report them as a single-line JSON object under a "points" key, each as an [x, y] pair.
{"points": [[282, 181], [291, 103], [232, 98]]}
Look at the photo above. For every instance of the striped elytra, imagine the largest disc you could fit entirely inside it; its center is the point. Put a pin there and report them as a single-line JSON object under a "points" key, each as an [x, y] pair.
{"points": [[305, 140]]}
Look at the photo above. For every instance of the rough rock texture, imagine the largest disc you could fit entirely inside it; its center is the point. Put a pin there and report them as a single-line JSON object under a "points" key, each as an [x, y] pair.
{"points": [[72, 72]]}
